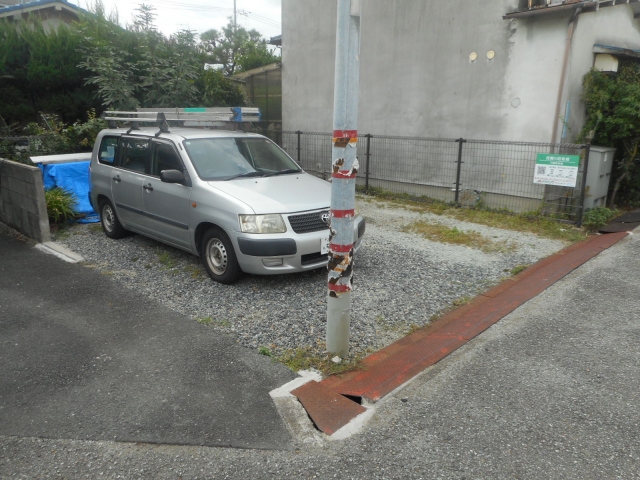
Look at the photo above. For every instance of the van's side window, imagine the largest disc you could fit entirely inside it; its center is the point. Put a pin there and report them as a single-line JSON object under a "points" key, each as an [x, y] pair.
{"points": [[164, 158], [107, 153], [135, 154]]}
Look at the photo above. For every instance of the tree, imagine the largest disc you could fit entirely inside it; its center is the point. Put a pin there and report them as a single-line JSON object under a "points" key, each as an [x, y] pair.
{"points": [[114, 76], [220, 91], [143, 21], [141, 67], [256, 55], [38, 72], [613, 119], [235, 48]]}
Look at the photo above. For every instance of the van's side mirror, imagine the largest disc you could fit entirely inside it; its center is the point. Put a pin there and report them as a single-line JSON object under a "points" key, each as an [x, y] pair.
{"points": [[172, 176]]}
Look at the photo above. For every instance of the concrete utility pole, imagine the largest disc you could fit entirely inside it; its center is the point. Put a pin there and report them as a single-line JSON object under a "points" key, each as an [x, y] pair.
{"points": [[235, 18], [345, 167]]}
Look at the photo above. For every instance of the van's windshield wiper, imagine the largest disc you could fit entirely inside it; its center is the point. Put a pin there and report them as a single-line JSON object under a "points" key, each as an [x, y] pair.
{"points": [[246, 174], [281, 172]]}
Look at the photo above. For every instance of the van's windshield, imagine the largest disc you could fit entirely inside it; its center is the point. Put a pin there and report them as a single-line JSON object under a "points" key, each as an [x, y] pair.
{"points": [[229, 158]]}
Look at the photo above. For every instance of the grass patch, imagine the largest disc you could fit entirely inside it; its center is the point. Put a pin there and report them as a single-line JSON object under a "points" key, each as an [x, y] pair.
{"points": [[194, 272], [526, 222], [165, 259], [211, 321], [306, 358], [441, 233]]}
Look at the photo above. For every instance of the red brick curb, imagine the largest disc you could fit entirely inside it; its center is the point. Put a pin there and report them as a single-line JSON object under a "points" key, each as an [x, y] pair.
{"points": [[327, 402]]}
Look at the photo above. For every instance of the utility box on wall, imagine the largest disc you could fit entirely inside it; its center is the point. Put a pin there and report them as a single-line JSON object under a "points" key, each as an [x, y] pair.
{"points": [[598, 176]]}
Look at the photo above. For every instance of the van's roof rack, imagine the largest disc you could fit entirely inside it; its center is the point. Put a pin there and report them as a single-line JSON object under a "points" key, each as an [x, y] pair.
{"points": [[187, 117]]}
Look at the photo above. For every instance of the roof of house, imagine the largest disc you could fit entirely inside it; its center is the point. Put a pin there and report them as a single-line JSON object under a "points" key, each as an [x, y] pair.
{"points": [[556, 6], [35, 5], [277, 41], [255, 71]]}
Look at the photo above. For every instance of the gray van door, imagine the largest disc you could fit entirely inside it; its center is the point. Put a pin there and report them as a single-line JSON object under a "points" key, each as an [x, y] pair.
{"points": [[167, 206], [128, 179]]}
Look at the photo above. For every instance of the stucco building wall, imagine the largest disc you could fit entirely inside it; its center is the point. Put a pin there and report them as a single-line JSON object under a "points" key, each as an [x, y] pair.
{"points": [[417, 78]]}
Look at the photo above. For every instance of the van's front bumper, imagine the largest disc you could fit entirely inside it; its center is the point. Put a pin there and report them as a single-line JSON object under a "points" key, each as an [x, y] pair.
{"points": [[288, 252]]}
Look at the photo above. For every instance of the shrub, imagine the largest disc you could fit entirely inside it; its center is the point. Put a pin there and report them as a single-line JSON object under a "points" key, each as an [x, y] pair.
{"points": [[61, 204], [595, 218]]}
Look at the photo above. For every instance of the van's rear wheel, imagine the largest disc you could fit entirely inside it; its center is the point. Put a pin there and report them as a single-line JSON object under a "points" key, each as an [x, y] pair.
{"points": [[219, 258], [109, 219]]}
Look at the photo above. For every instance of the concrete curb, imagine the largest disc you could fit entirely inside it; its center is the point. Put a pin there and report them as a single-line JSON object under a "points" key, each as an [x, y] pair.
{"points": [[391, 368], [59, 251]]}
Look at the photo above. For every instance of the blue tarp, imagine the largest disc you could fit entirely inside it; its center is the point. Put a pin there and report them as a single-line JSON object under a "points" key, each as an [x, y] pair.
{"points": [[73, 177]]}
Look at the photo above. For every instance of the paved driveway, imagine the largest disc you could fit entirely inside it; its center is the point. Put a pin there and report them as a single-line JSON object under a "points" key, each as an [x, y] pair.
{"points": [[84, 358]]}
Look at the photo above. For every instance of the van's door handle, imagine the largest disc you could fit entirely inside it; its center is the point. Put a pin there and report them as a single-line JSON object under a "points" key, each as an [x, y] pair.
{"points": [[116, 178], [148, 187]]}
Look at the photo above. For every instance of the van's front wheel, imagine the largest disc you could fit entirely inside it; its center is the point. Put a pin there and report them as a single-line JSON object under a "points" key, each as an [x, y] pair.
{"points": [[219, 258]]}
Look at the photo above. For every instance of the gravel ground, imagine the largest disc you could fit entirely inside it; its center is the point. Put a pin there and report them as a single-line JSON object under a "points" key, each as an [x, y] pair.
{"points": [[401, 280]]}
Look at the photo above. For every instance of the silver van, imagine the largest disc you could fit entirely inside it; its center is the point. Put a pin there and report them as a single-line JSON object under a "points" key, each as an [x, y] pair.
{"points": [[235, 199]]}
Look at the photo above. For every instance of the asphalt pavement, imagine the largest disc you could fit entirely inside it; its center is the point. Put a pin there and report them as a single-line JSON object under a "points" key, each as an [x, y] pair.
{"points": [[84, 358], [549, 392]]}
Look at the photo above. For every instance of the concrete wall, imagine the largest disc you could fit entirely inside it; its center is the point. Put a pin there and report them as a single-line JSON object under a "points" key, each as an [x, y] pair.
{"points": [[416, 75], [22, 203]]}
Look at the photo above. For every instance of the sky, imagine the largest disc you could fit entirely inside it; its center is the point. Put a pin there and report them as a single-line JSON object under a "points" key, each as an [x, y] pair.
{"points": [[202, 15]]}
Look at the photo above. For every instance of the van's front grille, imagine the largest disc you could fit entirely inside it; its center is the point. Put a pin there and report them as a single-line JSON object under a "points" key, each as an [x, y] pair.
{"points": [[311, 258], [309, 222]]}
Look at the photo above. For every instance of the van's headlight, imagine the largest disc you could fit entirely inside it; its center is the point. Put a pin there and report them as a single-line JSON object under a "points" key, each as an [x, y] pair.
{"points": [[272, 223]]}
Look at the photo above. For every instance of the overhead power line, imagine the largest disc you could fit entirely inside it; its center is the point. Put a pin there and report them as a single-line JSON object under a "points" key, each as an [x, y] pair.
{"points": [[259, 18]]}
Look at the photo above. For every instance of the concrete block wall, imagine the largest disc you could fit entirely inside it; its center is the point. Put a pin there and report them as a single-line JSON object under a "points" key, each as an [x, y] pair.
{"points": [[22, 203]]}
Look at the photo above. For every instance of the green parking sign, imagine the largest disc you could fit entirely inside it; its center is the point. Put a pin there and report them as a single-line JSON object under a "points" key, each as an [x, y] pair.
{"points": [[556, 169]]}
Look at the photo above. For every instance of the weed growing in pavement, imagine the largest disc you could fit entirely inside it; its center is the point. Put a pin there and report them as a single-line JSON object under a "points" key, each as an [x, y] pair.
{"points": [[264, 351], [526, 222], [518, 268], [306, 358], [204, 320], [95, 228], [441, 233], [412, 328], [459, 302]]}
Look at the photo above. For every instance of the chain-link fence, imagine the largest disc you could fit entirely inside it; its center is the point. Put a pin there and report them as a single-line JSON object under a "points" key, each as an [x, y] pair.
{"points": [[473, 173]]}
